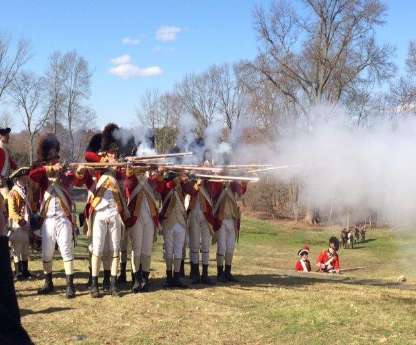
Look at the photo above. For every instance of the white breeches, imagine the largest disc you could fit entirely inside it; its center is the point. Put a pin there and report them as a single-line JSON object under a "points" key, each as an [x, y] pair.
{"points": [[199, 237], [174, 240], [57, 230], [106, 221], [226, 237], [141, 235], [19, 240]]}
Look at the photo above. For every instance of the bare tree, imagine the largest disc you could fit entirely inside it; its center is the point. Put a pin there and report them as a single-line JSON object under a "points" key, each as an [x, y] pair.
{"points": [[27, 91], [199, 97], [323, 53], [55, 78], [11, 62], [232, 99], [76, 91]]}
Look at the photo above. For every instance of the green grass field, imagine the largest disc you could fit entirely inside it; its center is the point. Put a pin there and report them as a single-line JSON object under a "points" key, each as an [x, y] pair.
{"points": [[271, 305]]}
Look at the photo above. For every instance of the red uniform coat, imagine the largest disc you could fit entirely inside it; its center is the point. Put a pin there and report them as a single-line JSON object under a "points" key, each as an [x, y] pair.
{"points": [[67, 180], [211, 189], [331, 262], [157, 184], [238, 188], [299, 267]]}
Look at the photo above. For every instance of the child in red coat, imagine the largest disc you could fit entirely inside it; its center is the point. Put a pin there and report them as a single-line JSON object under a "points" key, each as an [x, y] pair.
{"points": [[303, 264]]}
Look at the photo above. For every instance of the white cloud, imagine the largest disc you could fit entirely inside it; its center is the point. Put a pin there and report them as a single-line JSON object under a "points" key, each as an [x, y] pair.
{"points": [[131, 41], [167, 33], [125, 69], [123, 59]]}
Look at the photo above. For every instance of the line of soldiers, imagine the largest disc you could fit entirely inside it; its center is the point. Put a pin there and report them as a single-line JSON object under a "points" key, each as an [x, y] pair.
{"points": [[123, 204]]}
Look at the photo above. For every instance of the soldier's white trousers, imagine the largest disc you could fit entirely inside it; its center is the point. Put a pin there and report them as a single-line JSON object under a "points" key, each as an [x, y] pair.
{"points": [[174, 239], [226, 238], [199, 237], [106, 221], [57, 229], [141, 235], [19, 240]]}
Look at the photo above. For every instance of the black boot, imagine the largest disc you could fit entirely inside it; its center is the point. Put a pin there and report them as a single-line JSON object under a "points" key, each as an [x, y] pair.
{"points": [[106, 281], [182, 269], [122, 279], [145, 285], [138, 283], [169, 281], [114, 288], [205, 279], [89, 282], [47, 286], [95, 292], [195, 275], [229, 276], [25, 270], [18, 274], [70, 288], [221, 274], [177, 281]]}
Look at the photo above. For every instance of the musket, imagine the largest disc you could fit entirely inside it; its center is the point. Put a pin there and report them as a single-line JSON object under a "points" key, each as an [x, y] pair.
{"points": [[243, 166], [160, 156], [222, 178], [272, 168], [97, 164]]}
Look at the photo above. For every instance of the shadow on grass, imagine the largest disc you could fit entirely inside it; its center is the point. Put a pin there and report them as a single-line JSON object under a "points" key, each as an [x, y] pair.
{"points": [[50, 310], [285, 280]]}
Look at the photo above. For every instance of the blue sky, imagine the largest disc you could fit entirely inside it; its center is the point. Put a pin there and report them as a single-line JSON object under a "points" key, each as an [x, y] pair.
{"points": [[163, 40]]}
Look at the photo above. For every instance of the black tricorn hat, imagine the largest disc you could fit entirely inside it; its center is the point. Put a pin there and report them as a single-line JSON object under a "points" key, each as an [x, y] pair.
{"points": [[48, 148], [95, 142], [109, 140], [4, 131], [23, 171]]}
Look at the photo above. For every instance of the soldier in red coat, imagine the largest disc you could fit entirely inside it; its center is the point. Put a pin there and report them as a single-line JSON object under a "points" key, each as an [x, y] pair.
{"points": [[56, 211], [7, 164], [142, 195], [303, 264], [227, 224], [328, 260]]}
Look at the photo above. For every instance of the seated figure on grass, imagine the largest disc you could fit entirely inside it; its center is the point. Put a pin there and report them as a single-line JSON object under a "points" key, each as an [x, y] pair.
{"points": [[328, 260], [303, 264]]}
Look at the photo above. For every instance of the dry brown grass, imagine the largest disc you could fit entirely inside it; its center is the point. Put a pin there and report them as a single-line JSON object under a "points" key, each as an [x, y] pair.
{"points": [[271, 305]]}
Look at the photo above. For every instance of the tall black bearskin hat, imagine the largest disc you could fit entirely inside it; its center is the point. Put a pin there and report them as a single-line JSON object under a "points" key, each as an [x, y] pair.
{"points": [[109, 140], [95, 143], [334, 242], [48, 148]]}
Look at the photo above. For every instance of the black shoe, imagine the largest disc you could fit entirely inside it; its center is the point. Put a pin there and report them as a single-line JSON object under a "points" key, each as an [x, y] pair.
{"points": [[182, 269], [195, 275], [114, 288], [18, 274], [25, 270], [70, 288], [229, 276], [138, 283], [95, 292], [205, 279], [145, 285], [122, 279], [169, 281], [106, 281], [177, 281], [47, 286]]}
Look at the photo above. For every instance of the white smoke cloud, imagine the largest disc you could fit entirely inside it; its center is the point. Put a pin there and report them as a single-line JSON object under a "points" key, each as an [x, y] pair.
{"points": [[356, 168], [167, 33]]}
